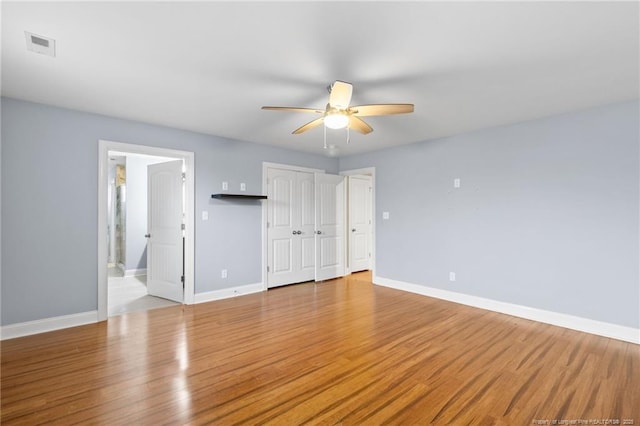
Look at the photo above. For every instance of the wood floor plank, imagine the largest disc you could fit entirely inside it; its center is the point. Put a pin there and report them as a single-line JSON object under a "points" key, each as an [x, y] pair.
{"points": [[338, 352]]}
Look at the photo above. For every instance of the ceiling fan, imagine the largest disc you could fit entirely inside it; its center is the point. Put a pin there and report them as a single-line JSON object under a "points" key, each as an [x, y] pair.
{"points": [[339, 115]]}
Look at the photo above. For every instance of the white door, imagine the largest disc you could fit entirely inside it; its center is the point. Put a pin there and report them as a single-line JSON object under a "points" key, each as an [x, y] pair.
{"points": [[307, 225], [290, 227], [330, 226], [360, 228], [164, 230]]}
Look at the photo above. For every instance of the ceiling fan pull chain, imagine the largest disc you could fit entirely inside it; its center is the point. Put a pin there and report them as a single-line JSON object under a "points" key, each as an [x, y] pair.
{"points": [[325, 137]]}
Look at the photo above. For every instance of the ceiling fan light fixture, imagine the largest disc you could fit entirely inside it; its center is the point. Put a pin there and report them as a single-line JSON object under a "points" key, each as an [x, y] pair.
{"points": [[336, 120], [339, 115]]}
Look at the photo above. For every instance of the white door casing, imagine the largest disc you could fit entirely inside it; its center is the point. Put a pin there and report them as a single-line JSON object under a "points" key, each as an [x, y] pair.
{"points": [[164, 230], [290, 226], [330, 226], [360, 222], [106, 147]]}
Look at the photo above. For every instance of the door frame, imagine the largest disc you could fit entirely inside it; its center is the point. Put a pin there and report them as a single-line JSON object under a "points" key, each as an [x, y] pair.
{"points": [[104, 146], [371, 171], [265, 213]]}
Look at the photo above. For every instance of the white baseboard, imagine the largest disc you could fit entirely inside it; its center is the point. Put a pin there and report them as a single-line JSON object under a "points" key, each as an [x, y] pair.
{"points": [[47, 324], [226, 293], [56, 323], [614, 331], [135, 272]]}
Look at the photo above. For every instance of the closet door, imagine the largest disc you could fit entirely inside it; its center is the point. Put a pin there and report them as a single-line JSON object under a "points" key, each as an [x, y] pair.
{"points": [[360, 228], [290, 227], [330, 227], [306, 226]]}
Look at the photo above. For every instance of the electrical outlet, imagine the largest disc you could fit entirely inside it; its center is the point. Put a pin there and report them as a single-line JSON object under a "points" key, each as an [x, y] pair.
{"points": [[456, 183], [452, 276], [243, 186], [385, 215], [223, 274], [205, 215], [225, 186]]}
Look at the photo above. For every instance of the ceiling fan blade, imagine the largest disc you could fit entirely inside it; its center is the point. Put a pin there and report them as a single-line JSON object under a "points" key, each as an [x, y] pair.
{"points": [[356, 123], [340, 95], [310, 125], [293, 109], [381, 109]]}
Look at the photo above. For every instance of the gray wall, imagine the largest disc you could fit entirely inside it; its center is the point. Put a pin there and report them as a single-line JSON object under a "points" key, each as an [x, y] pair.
{"points": [[49, 205], [547, 213]]}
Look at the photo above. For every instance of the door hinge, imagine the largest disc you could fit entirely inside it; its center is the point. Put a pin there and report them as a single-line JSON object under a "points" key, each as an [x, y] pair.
{"points": [[184, 176], [182, 280], [267, 269], [182, 226], [268, 224]]}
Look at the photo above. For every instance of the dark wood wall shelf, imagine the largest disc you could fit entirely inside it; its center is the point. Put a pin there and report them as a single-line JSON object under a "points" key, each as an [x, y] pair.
{"points": [[238, 197]]}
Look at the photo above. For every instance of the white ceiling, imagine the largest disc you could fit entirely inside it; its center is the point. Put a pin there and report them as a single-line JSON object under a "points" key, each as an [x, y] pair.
{"points": [[210, 66]]}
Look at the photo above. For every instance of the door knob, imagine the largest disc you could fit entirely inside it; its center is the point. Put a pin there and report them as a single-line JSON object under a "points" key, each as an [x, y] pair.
{"points": [[299, 232], [353, 229], [147, 235], [318, 232], [295, 232]]}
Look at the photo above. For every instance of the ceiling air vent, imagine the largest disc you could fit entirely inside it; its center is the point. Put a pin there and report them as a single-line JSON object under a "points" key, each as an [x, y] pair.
{"points": [[40, 44]]}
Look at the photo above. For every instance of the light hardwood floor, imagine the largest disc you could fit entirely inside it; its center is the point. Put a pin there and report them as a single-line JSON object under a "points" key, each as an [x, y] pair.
{"points": [[338, 352]]}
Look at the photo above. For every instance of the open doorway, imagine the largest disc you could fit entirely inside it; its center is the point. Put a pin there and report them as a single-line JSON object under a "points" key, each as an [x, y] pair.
{"points": [[128, 231], [125, 275]]}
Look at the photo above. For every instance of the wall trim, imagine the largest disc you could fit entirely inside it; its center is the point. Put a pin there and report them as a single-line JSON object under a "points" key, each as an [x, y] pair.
{"points": [[226, 293], [614, 331], [47, 324], [269, 165], [135, 272]]}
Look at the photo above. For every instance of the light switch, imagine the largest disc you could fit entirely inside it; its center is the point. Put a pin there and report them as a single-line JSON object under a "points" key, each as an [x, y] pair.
{"points": [[225, 186], [243, 186], [456, 183], [385, 215], [205, 215]]}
